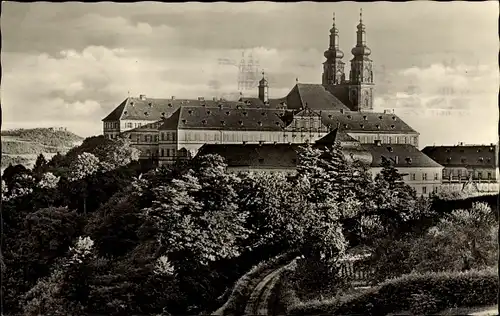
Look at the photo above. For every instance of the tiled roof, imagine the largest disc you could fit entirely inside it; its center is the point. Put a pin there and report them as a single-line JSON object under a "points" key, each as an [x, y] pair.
{"points": [[365, 121], [146, 127], [485, 156], [335, 135], [314, 96], [247, 119], [407, 155], [257, 103], [259, 156], [154, 109]]}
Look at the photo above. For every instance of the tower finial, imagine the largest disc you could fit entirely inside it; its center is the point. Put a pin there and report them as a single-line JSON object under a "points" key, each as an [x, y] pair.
{"points": [[361, 15], [333, 17], [262, 73]]}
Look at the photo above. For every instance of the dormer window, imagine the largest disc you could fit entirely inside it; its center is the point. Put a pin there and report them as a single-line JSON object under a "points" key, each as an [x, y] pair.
{"points": [[463, 160], [170, 104], [203, 105], [183, 121], [245, 113], [390, 149], [479, 150], [238, 107], [146, 113], [223, 122], [378, 126], [132, 103], [263, 113], [408, 160], [241, 123], [481, 159], [349, 117], [227, 112], [277, 123], [208, 112], [329, 116], [162, 113], [361, 125], [260, 123], [393, 118], [150, 104], [365, 117], [393, 126], [204, 122], [125, 112], [380, 117], [448, 159], [346, 126], [190, 112], [448, 150]]}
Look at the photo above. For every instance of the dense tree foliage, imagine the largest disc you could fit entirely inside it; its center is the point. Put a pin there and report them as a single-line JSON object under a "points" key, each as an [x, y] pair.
{"points": [[175, 239]]}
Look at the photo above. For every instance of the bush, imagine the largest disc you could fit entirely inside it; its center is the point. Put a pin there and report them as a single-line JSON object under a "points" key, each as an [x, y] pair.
{"points": [[424, 304], [445, 289]]}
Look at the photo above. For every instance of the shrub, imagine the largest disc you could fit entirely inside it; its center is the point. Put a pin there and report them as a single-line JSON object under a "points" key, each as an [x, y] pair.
{"points": [[424, 304], [445, 289]]}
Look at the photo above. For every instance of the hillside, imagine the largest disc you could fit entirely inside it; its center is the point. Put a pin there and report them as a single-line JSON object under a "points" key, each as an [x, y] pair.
{"points": [[22, 146]]}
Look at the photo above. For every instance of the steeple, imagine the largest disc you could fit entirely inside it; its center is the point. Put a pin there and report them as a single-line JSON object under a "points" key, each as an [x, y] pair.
{"points": [[361, 50], [361, 75], [333, 67], [263, 89]]}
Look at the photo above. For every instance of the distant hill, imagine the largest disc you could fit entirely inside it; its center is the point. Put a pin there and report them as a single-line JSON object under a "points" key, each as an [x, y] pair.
{"points": [[22, 146]]}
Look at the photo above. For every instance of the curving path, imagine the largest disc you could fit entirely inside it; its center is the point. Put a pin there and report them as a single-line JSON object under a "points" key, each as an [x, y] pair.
{"points": [[258, 304]]}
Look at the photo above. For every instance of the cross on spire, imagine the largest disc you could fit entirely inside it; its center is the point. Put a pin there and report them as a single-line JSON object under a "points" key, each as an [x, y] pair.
{"points": [[333, 17], [361, 15]]}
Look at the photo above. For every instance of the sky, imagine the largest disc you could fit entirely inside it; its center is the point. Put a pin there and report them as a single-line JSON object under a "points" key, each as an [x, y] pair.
{"points": [[70, 64]]}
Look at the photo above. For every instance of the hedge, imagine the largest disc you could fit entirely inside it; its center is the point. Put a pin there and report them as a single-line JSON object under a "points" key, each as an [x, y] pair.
{"points": [[243, 288], [429, 291]]}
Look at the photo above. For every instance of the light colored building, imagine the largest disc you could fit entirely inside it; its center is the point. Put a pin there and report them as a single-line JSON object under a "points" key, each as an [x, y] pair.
{"points": [[474, 165]]}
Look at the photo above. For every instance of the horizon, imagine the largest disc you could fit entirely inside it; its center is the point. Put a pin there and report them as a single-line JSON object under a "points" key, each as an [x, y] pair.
{"points": [[83, 64]]}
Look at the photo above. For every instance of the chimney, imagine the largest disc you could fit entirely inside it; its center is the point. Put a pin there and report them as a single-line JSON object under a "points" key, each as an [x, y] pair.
{"points": [[461, 144], [142, 97], [173, 97], [215, 99], [201, 99], [378, 142]]}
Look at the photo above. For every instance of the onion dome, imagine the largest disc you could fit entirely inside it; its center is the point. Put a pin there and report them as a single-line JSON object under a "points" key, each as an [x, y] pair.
{"points": [[333, 52], [361, 49]]}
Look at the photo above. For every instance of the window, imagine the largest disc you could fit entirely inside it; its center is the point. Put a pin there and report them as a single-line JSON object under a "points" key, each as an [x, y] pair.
{"points": [[424, 190], [479, 175], [436, 176], [413, 177], [168, 152], [489, 175], [156, 138], [173, 136], [424, 176], [162, 152], [162, 137], [168, 136]]}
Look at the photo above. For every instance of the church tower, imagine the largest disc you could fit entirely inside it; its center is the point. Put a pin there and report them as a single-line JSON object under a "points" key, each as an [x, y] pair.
{"points": [[361, 76], [263, 89], [333, 67]]}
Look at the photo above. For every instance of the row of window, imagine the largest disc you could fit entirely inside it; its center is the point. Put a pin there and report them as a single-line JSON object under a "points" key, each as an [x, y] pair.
{"points": [[413, 176], [110, 125], [459, 174], [388, 139], [424, 190], [162, 152], [169, 136]]}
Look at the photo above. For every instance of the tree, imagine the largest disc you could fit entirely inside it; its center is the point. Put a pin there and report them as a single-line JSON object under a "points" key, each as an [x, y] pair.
{"points": [[63, 292], [462, 240], [48, 181], [83, 166], [40, 165]]}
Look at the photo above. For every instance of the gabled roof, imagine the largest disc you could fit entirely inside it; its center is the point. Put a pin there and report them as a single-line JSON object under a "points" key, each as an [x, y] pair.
{"points": [[216, 118], [314, 96], [407, 155], [485, 156], [353, 121], [154, 109], [258, 156]]}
